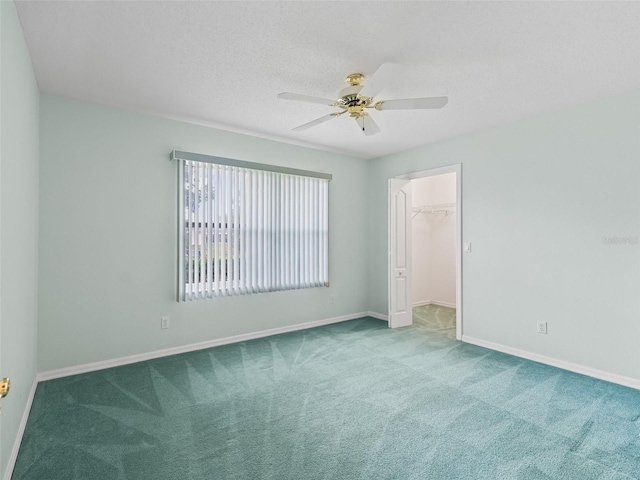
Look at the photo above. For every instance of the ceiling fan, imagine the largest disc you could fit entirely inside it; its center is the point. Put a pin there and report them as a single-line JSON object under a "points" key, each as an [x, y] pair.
{"points": [[358, 97]]}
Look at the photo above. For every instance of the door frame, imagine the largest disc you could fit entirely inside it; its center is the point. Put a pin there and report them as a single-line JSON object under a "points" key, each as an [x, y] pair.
{"points": [[457, 169]]}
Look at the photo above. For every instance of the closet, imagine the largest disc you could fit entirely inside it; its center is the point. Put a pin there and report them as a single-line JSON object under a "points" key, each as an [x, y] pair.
{"points": [[433, 219]]}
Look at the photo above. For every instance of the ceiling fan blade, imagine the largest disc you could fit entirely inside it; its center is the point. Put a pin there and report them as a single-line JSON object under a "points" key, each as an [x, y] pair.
{"points": [[315, 122], [306, 98], [387, 73], [413, 103], [367, 125]]}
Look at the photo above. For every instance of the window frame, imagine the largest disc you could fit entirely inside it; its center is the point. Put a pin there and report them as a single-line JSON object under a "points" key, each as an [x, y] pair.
{"points": [[180, 157]]}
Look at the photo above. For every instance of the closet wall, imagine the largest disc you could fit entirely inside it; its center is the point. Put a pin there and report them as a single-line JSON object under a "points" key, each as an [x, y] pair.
{"points": [[434, 241]]}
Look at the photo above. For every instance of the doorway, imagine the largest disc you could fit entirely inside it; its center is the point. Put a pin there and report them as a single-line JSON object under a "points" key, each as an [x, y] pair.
{"points": [[425, 247]]}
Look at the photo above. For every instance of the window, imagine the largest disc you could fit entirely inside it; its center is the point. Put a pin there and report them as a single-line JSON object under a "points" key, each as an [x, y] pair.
{"points": [[245, 229]]}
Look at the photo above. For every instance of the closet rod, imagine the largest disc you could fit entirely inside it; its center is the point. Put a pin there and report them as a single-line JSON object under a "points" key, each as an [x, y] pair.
{"points": [[435, 208]]}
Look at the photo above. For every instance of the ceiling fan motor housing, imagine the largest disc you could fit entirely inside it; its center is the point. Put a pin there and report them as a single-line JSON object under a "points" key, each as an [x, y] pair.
{"points": [[352, 102]]}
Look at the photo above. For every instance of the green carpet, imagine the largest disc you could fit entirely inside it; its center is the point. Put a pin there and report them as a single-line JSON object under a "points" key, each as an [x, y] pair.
{"points": [[353, 400], [436, 319]]}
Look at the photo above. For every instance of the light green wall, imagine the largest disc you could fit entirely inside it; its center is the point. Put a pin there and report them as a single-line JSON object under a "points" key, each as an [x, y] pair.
{"points": [[19, 138], [538, 197], [108, 236]]}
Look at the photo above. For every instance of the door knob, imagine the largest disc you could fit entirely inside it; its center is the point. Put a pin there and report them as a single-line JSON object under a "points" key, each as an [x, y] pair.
{"points": [[5, 385]]}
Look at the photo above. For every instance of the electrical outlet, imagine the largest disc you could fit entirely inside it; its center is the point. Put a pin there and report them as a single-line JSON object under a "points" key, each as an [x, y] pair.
{"points": [[542, 327], [332, 299], [164, 322]]}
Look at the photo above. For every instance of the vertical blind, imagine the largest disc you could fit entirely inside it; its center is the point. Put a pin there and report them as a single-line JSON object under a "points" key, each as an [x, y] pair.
{"points": [[247, 231]]}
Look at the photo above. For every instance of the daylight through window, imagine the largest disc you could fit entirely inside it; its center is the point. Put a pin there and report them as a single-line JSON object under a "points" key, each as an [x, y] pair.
{"points": [[246, 231]]}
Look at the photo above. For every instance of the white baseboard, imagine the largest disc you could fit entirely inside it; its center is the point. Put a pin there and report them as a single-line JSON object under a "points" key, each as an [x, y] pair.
{"points": [[23, 424], [422, 303], [379, 316], [554, 362], [116, 362], [443, 304]]}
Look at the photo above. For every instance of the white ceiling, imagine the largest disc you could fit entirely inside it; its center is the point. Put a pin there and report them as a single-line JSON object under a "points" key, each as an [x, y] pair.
{"points": [[223, 63]]}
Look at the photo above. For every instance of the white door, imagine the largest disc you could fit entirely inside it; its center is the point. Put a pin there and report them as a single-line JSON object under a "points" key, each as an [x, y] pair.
{"points": [[400, 302]]}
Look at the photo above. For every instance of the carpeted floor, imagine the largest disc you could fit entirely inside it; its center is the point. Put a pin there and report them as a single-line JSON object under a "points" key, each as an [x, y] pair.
{"points": [[353, 400], [436, 319]]}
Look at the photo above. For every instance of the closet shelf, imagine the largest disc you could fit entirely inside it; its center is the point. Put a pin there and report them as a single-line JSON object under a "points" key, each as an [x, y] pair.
{"points": [[444, 208]]}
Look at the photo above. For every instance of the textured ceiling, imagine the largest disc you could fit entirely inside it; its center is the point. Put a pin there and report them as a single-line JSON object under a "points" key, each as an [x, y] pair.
{"points": [[223, 63]]}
